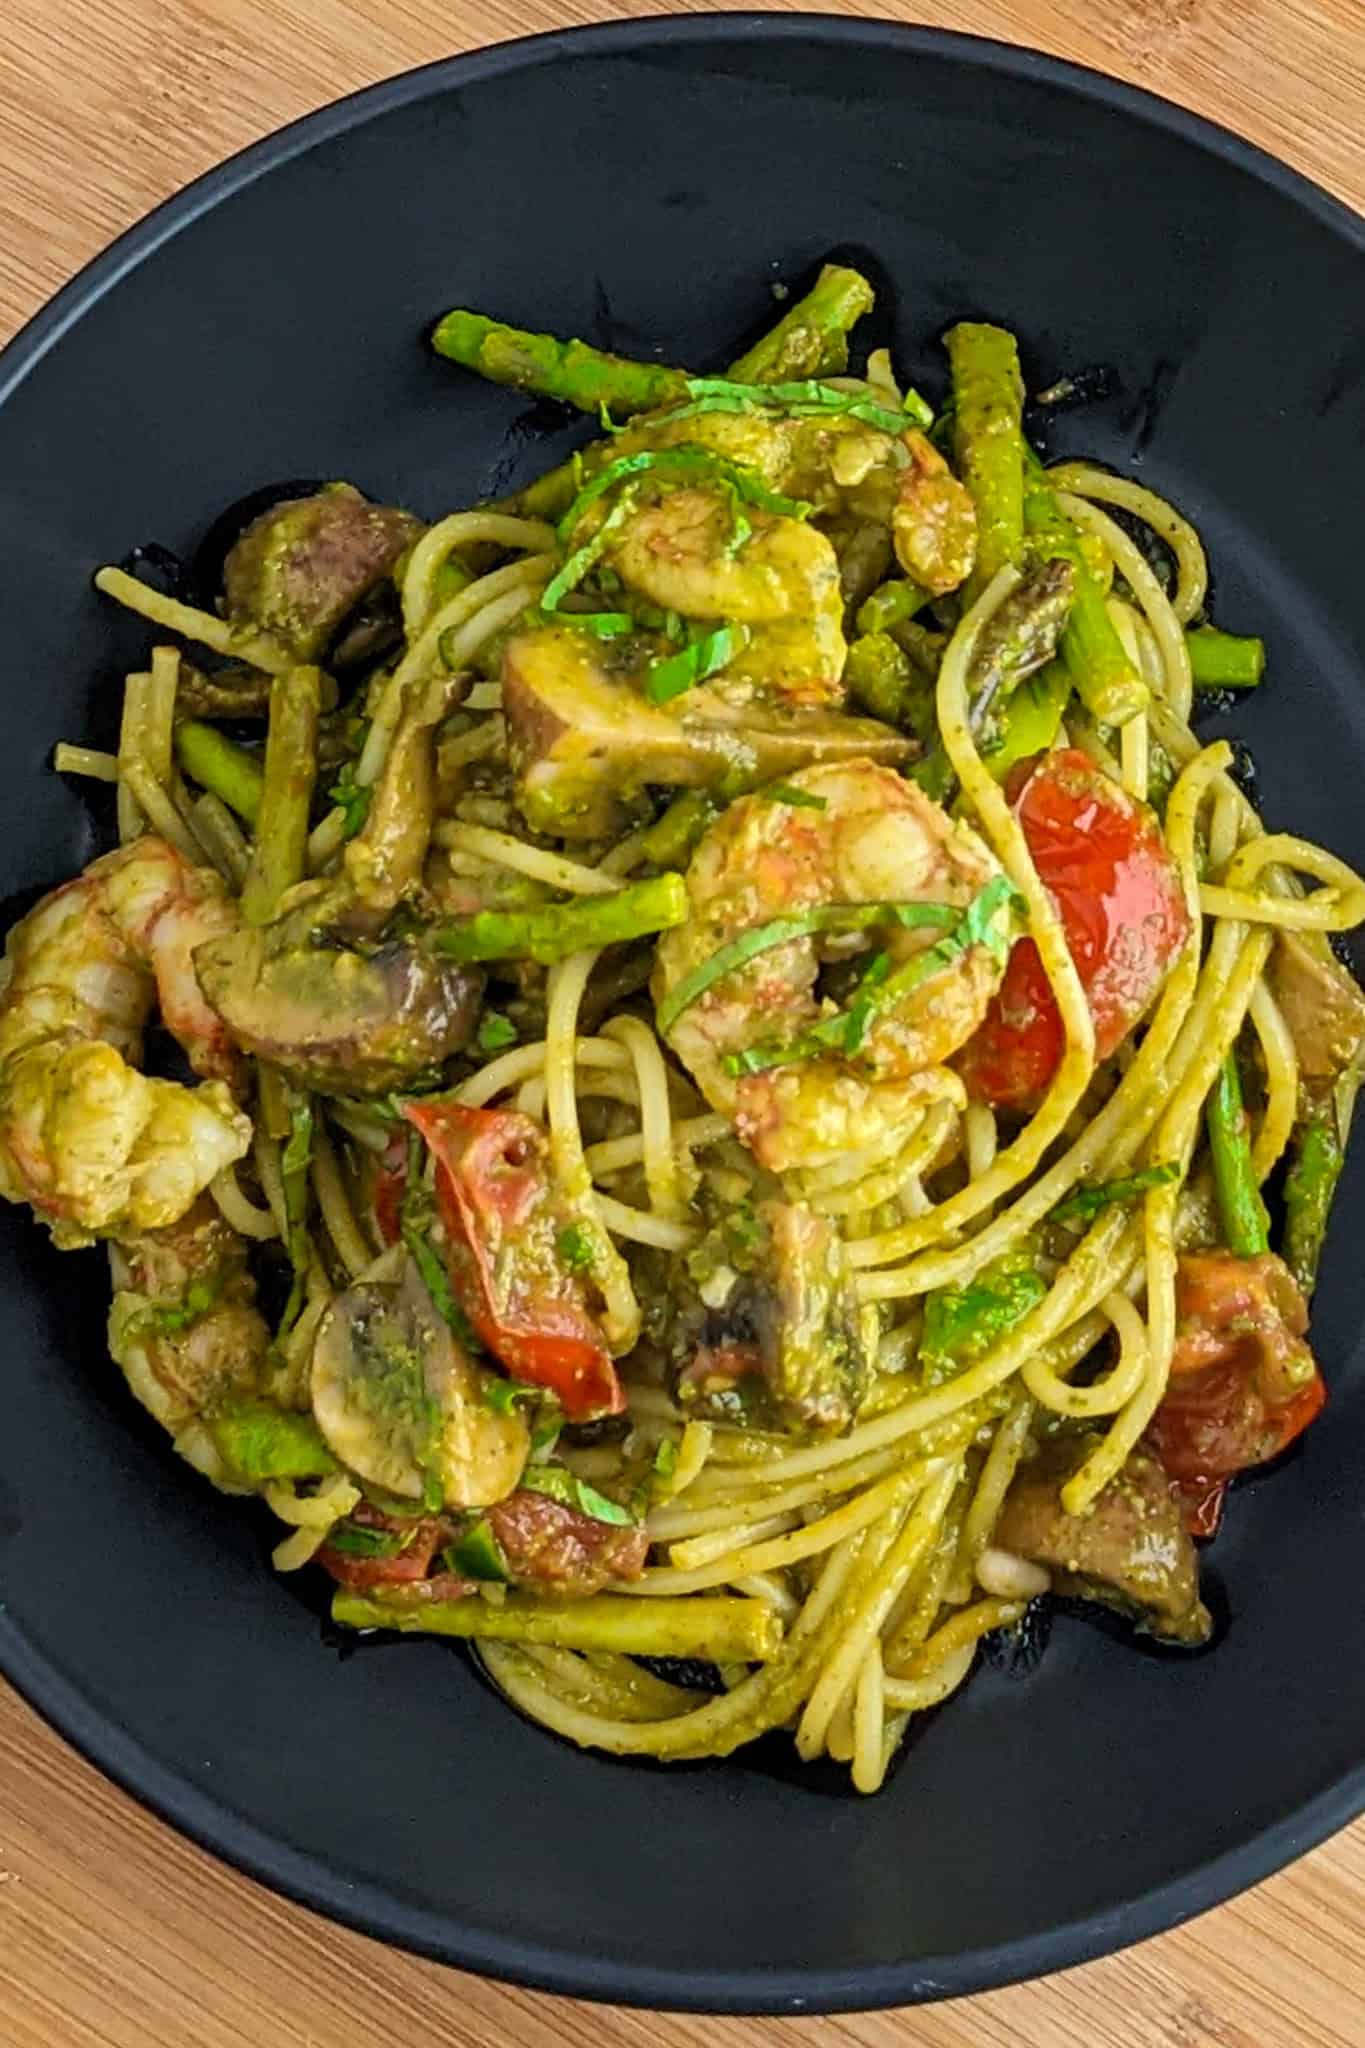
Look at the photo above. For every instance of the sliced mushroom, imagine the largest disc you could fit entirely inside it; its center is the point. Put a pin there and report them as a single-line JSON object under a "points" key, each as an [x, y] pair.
{"points": [[584, 743], [304, 565], [401, 1403], [1322, 1005]]}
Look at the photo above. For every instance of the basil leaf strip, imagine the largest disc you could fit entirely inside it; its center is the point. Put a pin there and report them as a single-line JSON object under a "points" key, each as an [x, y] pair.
{"points": [[671, 674]]}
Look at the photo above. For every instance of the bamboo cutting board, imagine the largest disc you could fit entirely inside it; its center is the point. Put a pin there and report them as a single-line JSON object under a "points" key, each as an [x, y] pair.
{"points": [[114, 1933]]}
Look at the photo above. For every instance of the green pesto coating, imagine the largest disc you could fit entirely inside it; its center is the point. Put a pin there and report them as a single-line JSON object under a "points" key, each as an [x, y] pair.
{"points": [[811, 338], [261, 1441]]}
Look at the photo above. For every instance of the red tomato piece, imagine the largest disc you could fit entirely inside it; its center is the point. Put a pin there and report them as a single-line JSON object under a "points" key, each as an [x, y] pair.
{"points": [[1118, 894], [503, 1220], [419, 1540], [1243, 1382]]}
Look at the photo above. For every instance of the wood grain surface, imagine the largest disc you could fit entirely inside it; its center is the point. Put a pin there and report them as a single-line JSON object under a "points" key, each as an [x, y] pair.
{"points": [[114, 1933]]}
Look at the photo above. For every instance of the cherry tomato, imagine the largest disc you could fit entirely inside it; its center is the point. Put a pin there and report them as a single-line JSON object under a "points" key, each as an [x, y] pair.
{"points": [[504, 1223], [1243, 1382], [1118, 894]]}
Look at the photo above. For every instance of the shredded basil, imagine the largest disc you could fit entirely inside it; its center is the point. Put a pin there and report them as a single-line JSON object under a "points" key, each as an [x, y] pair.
{"points": [[807, 398], [495, 1032], [582, 559], [602, 625], [700, 462], [294, 1162], [1087, 1202], [800, 924], [560, 1484], [845, 1032], [477, 1554], [351, 797], [669, 676], [799, 799], [574, 1245], [353, 1539], [665, 1458]]}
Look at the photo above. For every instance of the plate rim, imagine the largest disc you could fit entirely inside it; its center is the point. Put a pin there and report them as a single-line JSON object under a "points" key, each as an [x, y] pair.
{"points": [[113, 1750]]}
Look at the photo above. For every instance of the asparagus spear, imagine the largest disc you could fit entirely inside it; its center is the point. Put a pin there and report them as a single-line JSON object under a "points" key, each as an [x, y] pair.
{"points": [[261, 1441], [720, 1629], [279, 856], [574, 372], [1019, 639], [988, 433], [220, 765], [1314, 1170], [1106, 681], [1239, 1199], [891, 604], [559, 929], [670, 840], [1224, 661], [811, 338], [881, 677], [1030, 720]]}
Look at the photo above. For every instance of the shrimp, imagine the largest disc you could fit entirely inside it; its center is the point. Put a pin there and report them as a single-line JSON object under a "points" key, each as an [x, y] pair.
{"points": [[858, 834], [781, 583], [184, 1325], [844, 469], [97, 1148]]}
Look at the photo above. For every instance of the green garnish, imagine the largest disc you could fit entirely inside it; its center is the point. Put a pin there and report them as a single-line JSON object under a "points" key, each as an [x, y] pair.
{"points": [[1086, 1203], [477, 1554], [823, 917], [582, 559], [351, 797], [495, 1032], [799, 799], [673, 673], [698, 462], [807, 398], [962, 1323], [564, 1486], [416, 1216], [574, 1245], [602, 625], [353, 1539], [665, 1458], [166, 1321], [294, 1161], [860, 1009], [845, 1032]]}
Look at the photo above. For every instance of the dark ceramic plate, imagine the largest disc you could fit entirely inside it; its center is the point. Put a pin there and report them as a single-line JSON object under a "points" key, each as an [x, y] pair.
{"points": [[646, 184]]}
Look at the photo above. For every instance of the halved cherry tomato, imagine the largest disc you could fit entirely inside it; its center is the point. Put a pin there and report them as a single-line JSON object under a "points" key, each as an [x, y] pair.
{"points": [[1243, 1382], [503, 1221], [415, 1543], [1118, 894]]}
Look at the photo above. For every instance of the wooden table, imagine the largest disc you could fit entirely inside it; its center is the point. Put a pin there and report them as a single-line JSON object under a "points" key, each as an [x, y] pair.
{"points": [[113, 1932]]}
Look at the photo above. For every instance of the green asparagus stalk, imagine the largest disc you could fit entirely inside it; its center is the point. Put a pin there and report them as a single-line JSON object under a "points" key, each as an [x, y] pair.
{"points": [[1030, 721], [574, 372], [891, 604], [1239, 1200], [988, 434], [671, 839], [279, 855], [880, 676], [1314, 1169], [1106, 681], [1224, 661], [559, 929], [811, 338], [718, 1628], [261, 1441], [220, 765]]}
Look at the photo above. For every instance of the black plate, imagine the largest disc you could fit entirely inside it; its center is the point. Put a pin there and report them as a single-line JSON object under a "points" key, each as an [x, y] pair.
{"points": [[645, 184]]}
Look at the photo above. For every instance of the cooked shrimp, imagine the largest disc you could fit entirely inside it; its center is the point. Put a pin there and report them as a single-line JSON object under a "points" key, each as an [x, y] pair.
{"points": [[781, 583], [184, 1324], [96, 1147], [858, 835]]}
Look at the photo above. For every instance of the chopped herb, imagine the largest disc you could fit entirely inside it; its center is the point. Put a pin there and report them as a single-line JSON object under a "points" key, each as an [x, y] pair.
{"points": [[860, 1009], [808, 398], [962, 1323], [353, 1539], [351, 797], [544, 1413], [1087, 1202], [294, 1162], [574, 1245], [849, 917], [562, 1485], [166, 1321], [669, 676], [665, 1458], [699, 462], [602, 625], [799, 799], [845, 1032], [477, 1554], [495, 1032], [416, 1217]]}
